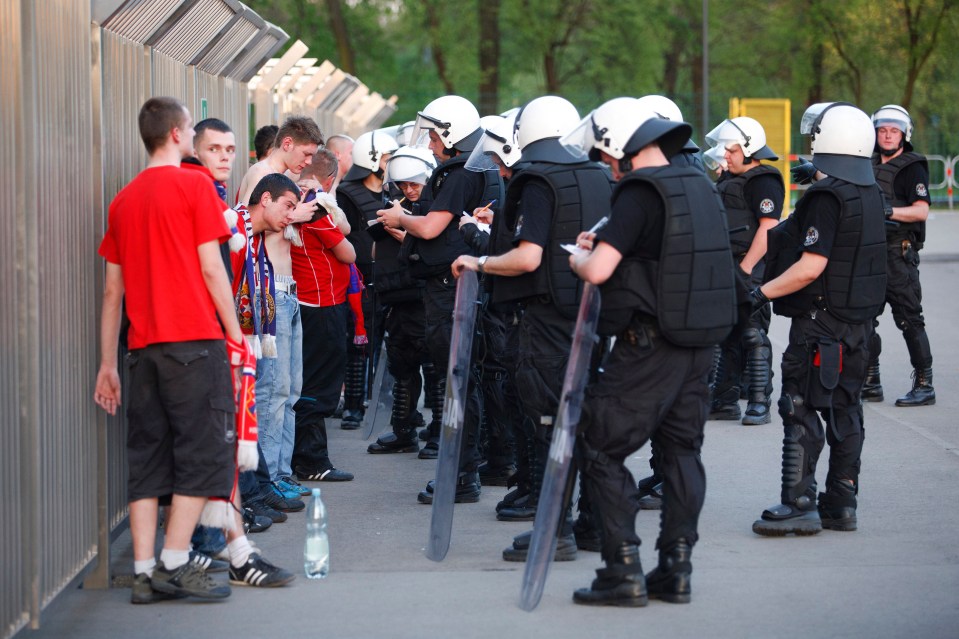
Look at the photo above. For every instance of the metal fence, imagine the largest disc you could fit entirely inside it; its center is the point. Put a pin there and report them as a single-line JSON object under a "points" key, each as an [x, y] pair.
{"points": [[72, 83]]}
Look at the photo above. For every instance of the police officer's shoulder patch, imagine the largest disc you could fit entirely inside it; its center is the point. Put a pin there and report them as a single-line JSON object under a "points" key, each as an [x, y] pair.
{"points": [[519, 226], [766, 206], [921, 190], [812, 236]]}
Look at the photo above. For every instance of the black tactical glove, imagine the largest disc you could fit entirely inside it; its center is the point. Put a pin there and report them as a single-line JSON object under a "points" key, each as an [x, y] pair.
{"points": [[758, 298], [803, 173]]}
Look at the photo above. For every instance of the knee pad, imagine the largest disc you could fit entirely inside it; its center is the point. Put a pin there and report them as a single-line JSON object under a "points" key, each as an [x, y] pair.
{"points": [[753, 338]]}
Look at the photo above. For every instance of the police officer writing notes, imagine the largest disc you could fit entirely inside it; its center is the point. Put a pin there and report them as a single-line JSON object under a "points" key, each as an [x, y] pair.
{"points": [[664, 253], [826, 270]]}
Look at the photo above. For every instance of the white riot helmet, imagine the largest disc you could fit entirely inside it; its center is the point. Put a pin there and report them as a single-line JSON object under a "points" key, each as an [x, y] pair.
{"points": [[404, 133], [368, 149], [668, 110], [410, 164], [894, 115], [455, 120], [621, 128], [547, 117], [747, 133], [498, 139], [842, 141]]}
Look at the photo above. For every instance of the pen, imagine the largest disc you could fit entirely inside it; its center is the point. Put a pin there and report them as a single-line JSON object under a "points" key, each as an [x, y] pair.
{"points": [[600, 224]]}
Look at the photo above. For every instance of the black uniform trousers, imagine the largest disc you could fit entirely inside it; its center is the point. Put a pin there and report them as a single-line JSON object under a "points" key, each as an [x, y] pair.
{"points": [[807, 402], [498, 352], [439, 298], [324, 364], [731, 370], [649, 389], [904, 295], [545, 338]]}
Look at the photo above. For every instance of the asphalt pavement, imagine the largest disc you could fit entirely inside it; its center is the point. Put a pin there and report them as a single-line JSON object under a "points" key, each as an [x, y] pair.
{"points": [[897, 576]]}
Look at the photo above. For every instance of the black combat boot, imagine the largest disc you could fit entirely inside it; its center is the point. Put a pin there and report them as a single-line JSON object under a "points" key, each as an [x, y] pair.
{"points": [[403, 437], [565, 543], [725, 406], [872, 387], [670, 580], [922, 393], [524, 508], [435, 397], [468, 490], [620, 583], [837, 506], [797, 512], [758, 359], [354, 391]]}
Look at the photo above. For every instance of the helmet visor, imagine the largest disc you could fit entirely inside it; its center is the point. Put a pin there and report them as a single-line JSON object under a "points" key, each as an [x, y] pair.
{"points": [[812, 116], [585, 138], [715, 158], [420, 135]]}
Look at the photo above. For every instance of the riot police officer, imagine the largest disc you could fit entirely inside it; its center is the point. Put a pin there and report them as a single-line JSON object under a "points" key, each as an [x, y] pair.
{"points": [[753, 194], [651, 487], [554, 196], [408, 170], [903, 176], [360, 195], [449, 126], [654, 383], [826, 271]]}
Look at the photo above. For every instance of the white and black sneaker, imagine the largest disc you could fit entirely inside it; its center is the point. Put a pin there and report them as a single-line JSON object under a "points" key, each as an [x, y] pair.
{"points": [[260, 573], [208, 563]]}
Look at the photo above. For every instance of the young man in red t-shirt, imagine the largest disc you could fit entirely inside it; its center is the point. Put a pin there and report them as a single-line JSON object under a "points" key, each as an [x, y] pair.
{"points": [[162, 253], [321, 270]]}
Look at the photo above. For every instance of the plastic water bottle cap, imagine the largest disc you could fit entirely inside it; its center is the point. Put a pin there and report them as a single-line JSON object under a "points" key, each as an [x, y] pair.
{"points": [[316, 492]]}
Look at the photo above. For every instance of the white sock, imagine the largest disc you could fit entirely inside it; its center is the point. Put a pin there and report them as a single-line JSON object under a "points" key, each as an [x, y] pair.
{"points": [[240, 550], [173, 559], [144, 567]]}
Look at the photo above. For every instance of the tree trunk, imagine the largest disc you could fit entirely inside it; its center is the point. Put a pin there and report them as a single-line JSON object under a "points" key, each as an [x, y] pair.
{"points": [[434, 28], [489, 50], [342, 36]]}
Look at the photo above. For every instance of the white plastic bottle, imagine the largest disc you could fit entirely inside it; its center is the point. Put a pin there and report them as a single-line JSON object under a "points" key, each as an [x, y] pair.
{"points": [[316, 554]]}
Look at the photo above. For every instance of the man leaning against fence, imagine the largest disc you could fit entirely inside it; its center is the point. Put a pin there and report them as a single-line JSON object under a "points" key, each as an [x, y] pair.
{"points": [[163, 257]]}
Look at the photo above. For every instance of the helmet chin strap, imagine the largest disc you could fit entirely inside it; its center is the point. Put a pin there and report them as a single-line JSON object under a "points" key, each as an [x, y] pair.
{"points": [[890, 152]]}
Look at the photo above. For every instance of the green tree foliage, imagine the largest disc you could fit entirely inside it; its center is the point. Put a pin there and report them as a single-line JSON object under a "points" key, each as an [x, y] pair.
{"points": [[867, 52]]}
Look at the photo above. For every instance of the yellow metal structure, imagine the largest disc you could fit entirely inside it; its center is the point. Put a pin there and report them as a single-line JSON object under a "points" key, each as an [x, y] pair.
{"points": [[774, 115]]}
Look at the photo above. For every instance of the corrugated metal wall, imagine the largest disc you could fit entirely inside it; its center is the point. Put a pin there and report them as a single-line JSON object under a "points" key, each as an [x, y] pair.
{"points": [[13, 604], [70, 92], [67, 303], [49, 423]]}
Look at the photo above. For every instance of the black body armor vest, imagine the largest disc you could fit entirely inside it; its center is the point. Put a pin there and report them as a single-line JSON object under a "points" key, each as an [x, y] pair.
{"points": [[581, 195], [691, 289], [433, 257], [364, 205], [742, 222], [853, 286], [886, 179]]}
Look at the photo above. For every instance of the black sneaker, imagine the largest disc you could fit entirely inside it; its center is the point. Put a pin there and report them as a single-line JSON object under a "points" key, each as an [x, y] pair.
{"points": [[208, 563], [188, 580], [260, 508], [330, 474], [143, 592], [253, 523], [258, 572], [276, 501]]}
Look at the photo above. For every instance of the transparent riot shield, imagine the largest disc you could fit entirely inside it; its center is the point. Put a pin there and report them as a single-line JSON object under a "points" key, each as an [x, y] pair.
{"points": [[451, 435], [554, 493], [381, 395]]}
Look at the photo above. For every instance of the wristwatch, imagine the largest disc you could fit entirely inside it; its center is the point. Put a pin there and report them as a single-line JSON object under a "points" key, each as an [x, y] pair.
{"points": [[481, 264]]}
